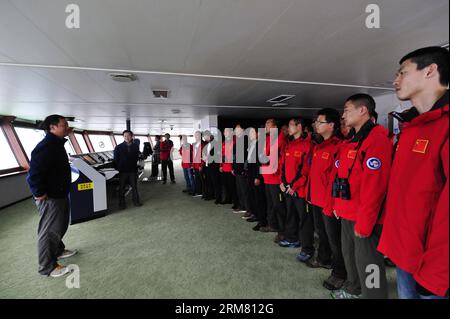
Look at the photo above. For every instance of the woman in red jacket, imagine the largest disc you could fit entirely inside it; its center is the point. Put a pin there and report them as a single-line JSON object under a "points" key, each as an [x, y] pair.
{"points": [[328, 227], [295, 167]]}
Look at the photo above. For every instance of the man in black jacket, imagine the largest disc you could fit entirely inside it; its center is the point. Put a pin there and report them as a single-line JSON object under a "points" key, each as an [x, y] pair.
{"points": [[49, 179], [240, 155], [256, 193], [126, 156]]}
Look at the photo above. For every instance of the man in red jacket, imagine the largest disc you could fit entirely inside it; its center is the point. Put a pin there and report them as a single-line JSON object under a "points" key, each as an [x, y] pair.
{"points": [[358, 191], [276, 210], [197, 165], [416, 229], [166, 158], [328, 227], [186, 164], [295, 165]]}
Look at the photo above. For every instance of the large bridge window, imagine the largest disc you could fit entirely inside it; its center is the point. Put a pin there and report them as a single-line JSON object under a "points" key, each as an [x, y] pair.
{"points": [[7, 159], [101, 143], [29, 138], [119, 138], [80, 139]]}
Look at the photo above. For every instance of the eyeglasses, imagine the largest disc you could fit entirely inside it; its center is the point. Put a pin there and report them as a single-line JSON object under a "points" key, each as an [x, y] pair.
{"points": [[319, 122]]}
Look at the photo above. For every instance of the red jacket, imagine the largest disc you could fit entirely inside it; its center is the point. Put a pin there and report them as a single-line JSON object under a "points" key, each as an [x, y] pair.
{"points": [[227, 159], [368, 180], [165, 150], [296, 156], [274, 178], [186, 156], [197, 161], [323, 159], [416, 229]]}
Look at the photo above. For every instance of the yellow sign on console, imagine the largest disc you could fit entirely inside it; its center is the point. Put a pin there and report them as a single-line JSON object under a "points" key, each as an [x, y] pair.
{"points": [[85, 186]]}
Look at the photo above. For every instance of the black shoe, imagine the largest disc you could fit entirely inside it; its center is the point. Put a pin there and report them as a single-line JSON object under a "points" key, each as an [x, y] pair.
{"points": [[314, 263], [172, 182], [257, 227], [138, 204], [235, 207], [185, 191], [252, 220], [164, 182], [333, 283]]}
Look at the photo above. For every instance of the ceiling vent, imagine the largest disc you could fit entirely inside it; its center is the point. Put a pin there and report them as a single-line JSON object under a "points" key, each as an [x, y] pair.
{"points": [[123, 77], [160, 93], [281, 98]]}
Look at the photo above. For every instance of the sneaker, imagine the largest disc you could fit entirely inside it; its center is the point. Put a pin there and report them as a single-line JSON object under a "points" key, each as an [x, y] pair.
{"points": [[314, 263], [303, 257], [59, 271], [239, 211], [67, 253], [197, 195], [252, 219], [342, 294], [235, 207], [247, 215], [242, 211], [333, 283], [287, 244]]}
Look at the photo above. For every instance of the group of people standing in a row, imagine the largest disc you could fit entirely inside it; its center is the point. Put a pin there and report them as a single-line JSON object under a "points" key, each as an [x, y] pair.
{"points": [[366, 194]]}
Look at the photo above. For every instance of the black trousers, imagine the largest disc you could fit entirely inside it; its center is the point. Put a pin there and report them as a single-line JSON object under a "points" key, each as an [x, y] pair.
{"points": [[130, 179], [299, 224], [364, 263], [333, 230], [242, 192], [324, 249], [53, 223], [198, 182], [229, 184], [155, 169], [276, 208], [257, 200], [213, 182], [165, 164]]}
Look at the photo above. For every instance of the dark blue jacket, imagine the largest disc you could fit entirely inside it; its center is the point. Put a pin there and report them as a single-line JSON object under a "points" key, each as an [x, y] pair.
{"points": [[49, 168], [126, 157]]}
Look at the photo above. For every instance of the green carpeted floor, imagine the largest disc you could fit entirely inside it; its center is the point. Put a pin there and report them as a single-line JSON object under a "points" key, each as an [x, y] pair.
{"points": [[174, 246]]}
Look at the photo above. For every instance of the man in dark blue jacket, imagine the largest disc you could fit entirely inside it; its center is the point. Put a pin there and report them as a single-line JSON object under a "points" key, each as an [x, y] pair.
{"points": [[49, 179], [126, 156]]}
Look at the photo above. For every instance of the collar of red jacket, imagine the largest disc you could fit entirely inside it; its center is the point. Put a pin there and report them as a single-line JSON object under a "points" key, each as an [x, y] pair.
{"points": [[439, 109], [413, 117], [331, 140]]}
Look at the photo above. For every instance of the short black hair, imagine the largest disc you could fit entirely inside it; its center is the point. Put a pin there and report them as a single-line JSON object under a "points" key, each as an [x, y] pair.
{"points": [[51, 120], [157, 137], [363, 99], [167, 134], [331, 116], [426, 56], [127, 131], [274, 121]]}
